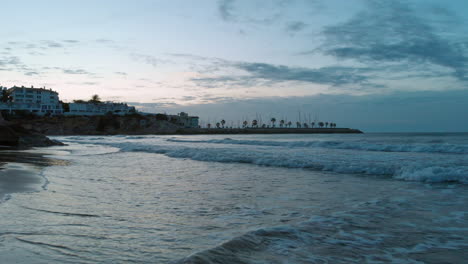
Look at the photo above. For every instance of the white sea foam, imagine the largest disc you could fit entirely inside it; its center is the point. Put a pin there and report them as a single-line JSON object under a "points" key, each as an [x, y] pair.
{"points": [[429, 163], [353, 145], [410, 171]]}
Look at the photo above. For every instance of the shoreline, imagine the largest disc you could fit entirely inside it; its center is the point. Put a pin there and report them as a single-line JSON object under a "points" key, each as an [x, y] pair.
{"points": [[20, 172]]}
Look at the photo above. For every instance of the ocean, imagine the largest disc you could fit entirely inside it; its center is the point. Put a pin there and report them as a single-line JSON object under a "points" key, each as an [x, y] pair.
{"points": [[358, 198]]}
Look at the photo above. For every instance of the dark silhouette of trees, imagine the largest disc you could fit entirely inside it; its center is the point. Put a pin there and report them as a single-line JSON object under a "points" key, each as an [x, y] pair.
{"points": [[321, 124], [95, 99], [254, 123], [281, 123], [223, 122], [273, 120], [245, 124], [313, 124], [218, 125], [208, 125], [289, 124], [4, 96], [298, 124]]}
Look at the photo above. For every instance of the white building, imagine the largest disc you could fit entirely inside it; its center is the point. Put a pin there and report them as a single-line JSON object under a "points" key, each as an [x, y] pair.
{"points": [[183, 119], [39, 101], [89, 109]]}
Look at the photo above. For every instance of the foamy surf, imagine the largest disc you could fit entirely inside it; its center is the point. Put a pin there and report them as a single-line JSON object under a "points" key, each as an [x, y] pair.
{"points": [[416, 162]]}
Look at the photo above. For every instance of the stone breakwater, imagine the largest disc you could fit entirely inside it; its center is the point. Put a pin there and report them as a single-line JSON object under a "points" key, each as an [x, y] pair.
{"points": [[195, 131]]}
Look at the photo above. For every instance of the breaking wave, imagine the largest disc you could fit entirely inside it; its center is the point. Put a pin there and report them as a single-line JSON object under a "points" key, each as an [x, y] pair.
{"points": [[403, 170], [367, 146], [421, 162]]}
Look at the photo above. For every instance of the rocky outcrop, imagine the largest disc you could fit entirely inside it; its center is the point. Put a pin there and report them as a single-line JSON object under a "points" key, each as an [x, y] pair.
{"points": [[13, 134], [99, 125], [8, 136]]}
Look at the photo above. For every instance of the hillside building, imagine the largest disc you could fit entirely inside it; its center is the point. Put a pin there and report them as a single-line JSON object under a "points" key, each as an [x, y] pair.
{"points": [[39, 101], [183, 119], [100, 108]]}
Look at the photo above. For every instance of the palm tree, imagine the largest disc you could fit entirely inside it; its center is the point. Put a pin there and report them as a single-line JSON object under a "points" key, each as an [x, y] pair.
{"points": [[273, 120], [306, 125], [289, 124], [313, 124], [281, 123], [326, 124], [223, 122], [5, 96], [217, 125], [320, 124], [208, 125], [95, 99], [244, 124], [254, 123], [298, 125]]}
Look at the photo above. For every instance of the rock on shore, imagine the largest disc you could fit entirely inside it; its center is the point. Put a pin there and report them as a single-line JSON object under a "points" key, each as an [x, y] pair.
{"points": [[16, 136]]}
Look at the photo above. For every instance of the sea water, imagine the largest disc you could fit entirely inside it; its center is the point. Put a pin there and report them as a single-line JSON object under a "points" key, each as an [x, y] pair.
{"points": [[364, 198]]}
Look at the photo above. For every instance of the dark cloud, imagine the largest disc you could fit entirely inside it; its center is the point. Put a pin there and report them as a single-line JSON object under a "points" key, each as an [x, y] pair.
{"points": [[226, 9], [296, 26], [327, 75], [188, 98], [10, 61], [392, 32]]}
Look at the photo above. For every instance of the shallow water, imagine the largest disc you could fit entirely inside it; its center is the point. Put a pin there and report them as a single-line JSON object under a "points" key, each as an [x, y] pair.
{"points": [[374, 198]]}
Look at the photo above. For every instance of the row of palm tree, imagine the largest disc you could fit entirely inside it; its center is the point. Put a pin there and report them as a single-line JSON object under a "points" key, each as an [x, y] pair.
{"points": [[282, 124]]}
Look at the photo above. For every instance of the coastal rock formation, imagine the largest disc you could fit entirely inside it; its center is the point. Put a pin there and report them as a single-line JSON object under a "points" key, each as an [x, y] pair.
{"points": [[99, 125], [8, 137], [16, 136]]}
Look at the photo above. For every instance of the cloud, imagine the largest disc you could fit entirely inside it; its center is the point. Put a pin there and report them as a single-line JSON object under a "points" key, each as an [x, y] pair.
{"points": [[52, 44], [103, 40], [31, 73], [392, 32], [226, 9], [148, 59], [121, 73], [75, 71], [296, 26], [264, 72], [9, 61], [72, 41]]}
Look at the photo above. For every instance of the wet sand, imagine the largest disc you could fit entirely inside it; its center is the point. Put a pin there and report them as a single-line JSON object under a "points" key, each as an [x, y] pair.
{"points": [[20, 171]]}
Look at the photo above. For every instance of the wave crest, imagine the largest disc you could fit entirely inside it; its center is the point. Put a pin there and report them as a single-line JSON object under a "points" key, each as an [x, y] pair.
{"points": [[353, 145]]}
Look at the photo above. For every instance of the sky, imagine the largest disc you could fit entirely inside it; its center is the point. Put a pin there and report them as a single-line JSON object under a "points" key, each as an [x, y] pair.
{"points": [[381, 66]]}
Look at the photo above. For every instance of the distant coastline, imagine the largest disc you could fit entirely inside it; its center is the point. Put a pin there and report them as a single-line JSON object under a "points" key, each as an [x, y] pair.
{"points": [[208, 131]]}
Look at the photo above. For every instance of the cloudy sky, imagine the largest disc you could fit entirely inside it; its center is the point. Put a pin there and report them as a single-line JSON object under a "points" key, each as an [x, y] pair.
{"points": [[375, 65]]}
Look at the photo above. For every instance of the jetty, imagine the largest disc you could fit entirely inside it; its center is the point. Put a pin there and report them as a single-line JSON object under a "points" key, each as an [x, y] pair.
{"points": [[209, 131]]}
